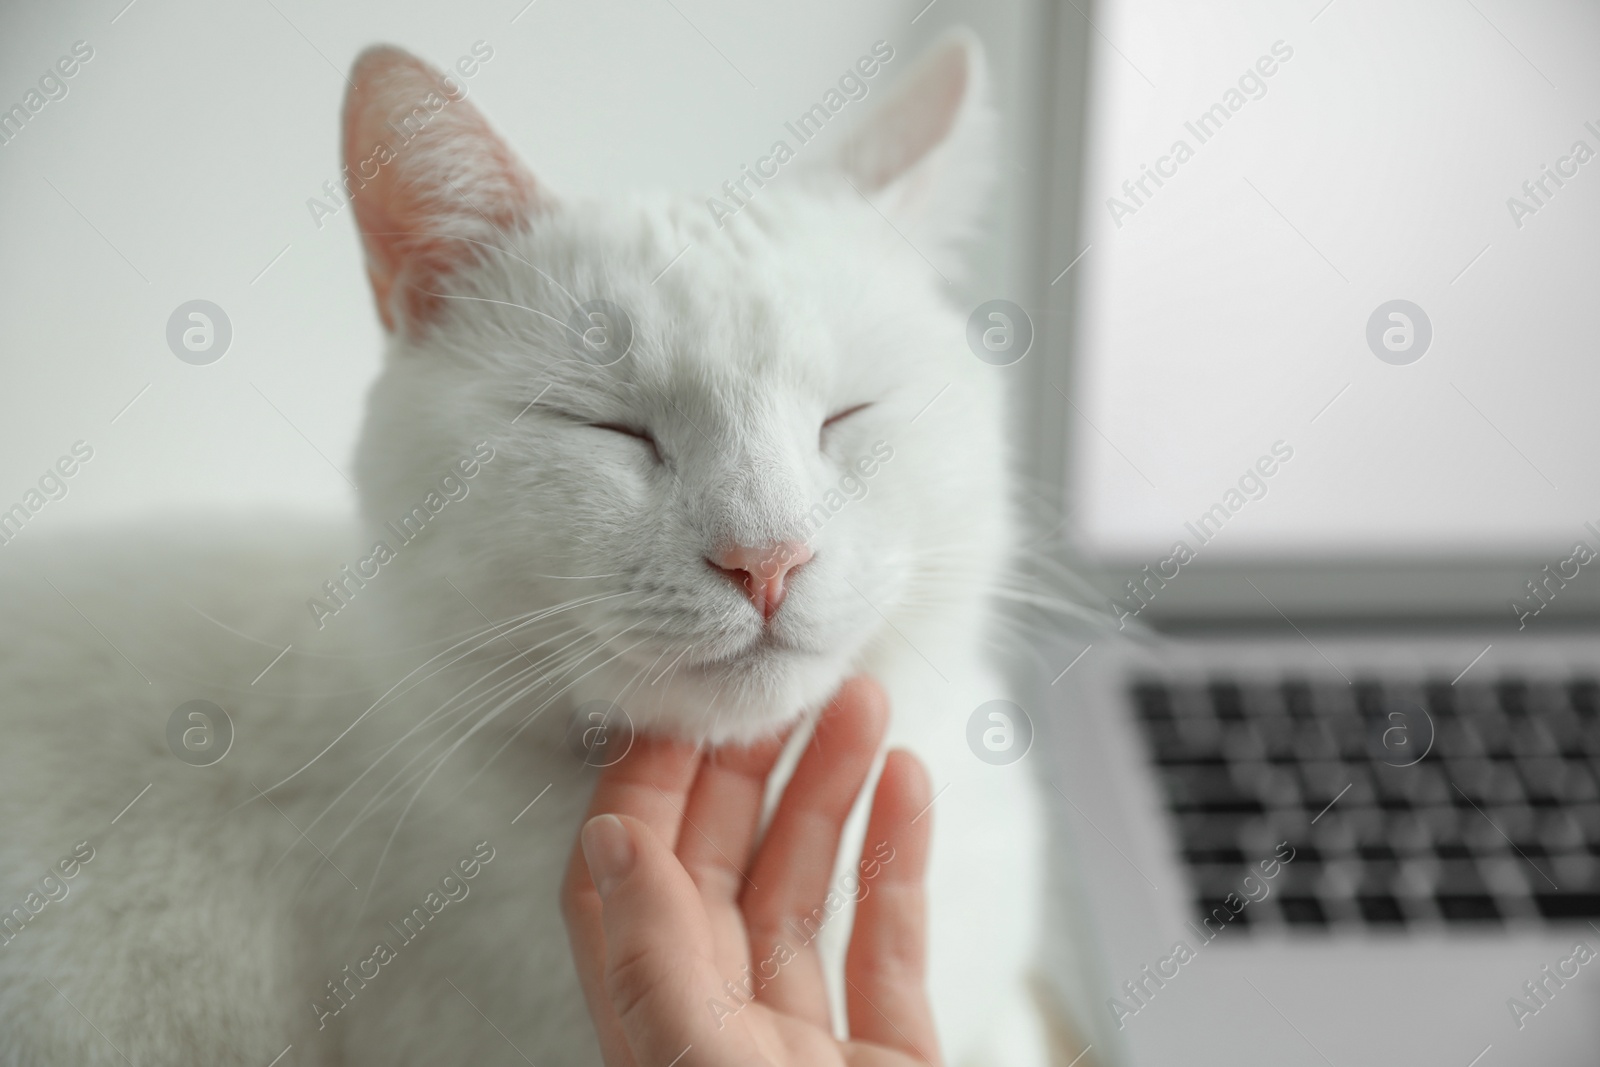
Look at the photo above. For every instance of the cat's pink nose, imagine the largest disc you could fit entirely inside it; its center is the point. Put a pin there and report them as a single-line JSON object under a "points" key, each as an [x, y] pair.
{"points": [[763, 573]]}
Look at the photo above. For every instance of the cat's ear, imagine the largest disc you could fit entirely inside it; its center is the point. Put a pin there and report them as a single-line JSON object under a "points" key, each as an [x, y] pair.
{"points": [[925, 156], [432, 183]]}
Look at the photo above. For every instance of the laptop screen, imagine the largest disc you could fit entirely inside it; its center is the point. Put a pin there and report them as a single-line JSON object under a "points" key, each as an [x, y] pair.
{"points": [[1339, 289]]}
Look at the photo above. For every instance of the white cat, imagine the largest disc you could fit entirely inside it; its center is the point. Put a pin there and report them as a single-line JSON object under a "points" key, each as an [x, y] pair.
{"points": [[698, 468]]}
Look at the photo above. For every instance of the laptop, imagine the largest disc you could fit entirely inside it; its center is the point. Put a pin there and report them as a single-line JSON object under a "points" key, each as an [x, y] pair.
{"points": [[1319, 360]]}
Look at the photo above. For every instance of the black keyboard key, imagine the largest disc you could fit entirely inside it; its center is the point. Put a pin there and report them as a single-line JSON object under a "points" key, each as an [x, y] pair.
{"points": [[1152, 700], [1203, 736], [1410, 834], [1574, 872], [1315, 741], [1490, 831], [1577, 784], [1444, 828], [1587, 816], [1168, 742], [1352, 740], [1584, 696], [1216, 909], [1217, 880], [1568, 905], [1513, 696], [1425, 785], [1560, 831], [1457, 739], [1334, 834], [1302, 911], [1484, 783], [1340, 878], [1226, 701], [1566, 732], [1242, 743], [1297, 699], [1201, 831], [1380, 876], [1530, 738], [1206, 787], [1274, 785], [1416, 877], [1393, 786], [1494, 730], [1327, 781], [1263, 702], [1382, 910], [1440, 698], [1474, 700], [1369, 696], [1459, 877], [1553, 782], [1371, 825], [1467, 908], [1547, 698], [1403, 735], [1277, 738], [1228, 856], [1281, 825]]}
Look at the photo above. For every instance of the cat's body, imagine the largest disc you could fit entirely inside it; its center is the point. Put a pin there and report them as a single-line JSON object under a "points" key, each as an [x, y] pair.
{"points": [[417, 736]]}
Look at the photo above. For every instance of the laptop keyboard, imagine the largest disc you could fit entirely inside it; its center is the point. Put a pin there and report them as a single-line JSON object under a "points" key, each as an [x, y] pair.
{"points": [[1406, 804]]}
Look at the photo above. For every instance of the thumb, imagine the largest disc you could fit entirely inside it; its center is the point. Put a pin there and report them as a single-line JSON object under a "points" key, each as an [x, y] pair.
{"points": [[659, 973]]}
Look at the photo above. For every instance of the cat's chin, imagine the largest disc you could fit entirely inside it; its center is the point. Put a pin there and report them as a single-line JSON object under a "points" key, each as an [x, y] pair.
{"points": [[737, 701]]}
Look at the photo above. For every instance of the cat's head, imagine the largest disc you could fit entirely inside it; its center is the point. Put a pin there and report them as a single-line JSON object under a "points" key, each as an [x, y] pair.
{"points": [[740, 447]]}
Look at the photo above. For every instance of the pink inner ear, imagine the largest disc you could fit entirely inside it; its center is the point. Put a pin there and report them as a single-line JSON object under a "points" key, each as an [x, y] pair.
{"points": [[429, 177], [912, 123]]}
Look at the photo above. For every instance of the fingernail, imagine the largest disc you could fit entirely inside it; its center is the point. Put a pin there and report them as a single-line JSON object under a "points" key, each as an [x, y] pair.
{"points": [[608, 850]]}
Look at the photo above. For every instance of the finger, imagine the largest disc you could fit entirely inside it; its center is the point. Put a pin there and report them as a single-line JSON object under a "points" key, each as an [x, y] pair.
{"points": [[650, 784], [785, 911], [659, 974], [646, 784], [886, 966], [718, 839]]}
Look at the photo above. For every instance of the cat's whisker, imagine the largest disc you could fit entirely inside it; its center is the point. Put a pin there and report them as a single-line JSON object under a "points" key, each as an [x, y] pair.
{"points": [[488, 632], [482, 723], [529, 719], [394, 787], [533, 667], [664, 650], [543, 668], [379, 796], [443, 711], [638, 676], [504, 303], [331, 656], [673, 666], [432, 717], [493, 630]]}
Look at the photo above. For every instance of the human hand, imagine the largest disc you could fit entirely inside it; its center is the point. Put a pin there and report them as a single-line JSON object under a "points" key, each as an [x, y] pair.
{"points": [[688, 899]]}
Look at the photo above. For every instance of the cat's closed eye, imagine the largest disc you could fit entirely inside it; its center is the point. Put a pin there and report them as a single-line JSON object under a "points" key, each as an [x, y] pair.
{"points": [[842, 415], [630, 431]]}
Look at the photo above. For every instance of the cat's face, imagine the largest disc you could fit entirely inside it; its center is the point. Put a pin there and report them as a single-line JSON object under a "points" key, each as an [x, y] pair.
{"points": [[728, 461]]}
